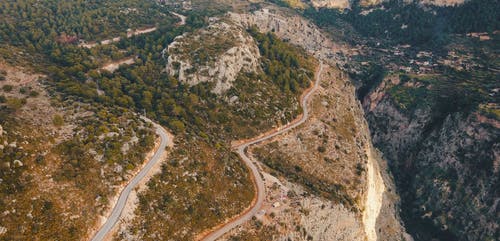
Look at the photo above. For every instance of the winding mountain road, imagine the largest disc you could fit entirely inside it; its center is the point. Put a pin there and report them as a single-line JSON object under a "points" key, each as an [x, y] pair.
{"points": [[182, 18], [122, 200], [137, 32], [259, 183]]}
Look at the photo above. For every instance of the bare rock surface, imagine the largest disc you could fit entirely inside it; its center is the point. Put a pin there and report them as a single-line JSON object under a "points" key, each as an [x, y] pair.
{"points": [[340, 4], [442, 2], [215, 54], [293, 28], [292, 213], [327, 180]]}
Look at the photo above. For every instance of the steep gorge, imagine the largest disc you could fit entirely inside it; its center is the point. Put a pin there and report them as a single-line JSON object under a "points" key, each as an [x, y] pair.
{"points": [[374, 196], [377, 199], [446, 165]]}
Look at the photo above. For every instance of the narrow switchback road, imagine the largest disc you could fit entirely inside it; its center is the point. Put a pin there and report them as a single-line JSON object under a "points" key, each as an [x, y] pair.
{"points": [[259, 183], [122, 200], [182, 18], [117, 39]]}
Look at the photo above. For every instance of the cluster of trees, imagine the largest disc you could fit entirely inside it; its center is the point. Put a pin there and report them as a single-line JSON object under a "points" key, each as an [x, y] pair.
{"points": [[411, 23], [147, 88], [54, 28], [40, 28], [284, 65], [448, 93], [36, 23], [50, 31], [472, 16], [370, 78], [94, 135]]}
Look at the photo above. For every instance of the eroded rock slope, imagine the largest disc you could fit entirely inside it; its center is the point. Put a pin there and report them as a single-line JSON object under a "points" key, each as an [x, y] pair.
{"points": [[448, 163], [218, 53]]}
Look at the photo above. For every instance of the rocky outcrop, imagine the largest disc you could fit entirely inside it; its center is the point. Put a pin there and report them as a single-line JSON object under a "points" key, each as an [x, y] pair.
{"points": [[442, 2], [340, 101], [446, 168], [343, 4], [340, 4], [299, 216], [215, 54], [367, 3], [348, 184], [318, 221], [293, 28]]}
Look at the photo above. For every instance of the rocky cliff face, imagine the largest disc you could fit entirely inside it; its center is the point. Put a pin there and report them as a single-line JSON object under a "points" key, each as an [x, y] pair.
{"points": [[215, 54], [328, 181], [447, 169], [340, 4], [383, 203], [293, 28]]}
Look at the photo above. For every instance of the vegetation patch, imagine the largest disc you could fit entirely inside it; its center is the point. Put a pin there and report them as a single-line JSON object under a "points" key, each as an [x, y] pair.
{"points": [[404, 22], [48, 167], [204, 182], [100, 141]]}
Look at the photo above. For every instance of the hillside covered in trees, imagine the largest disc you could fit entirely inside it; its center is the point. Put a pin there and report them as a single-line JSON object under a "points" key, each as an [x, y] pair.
{"points": [[45, 37], [412, 23]]}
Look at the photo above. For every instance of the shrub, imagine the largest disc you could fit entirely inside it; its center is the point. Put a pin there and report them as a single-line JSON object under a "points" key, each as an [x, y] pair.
{"points": [[58, 120], [34, 93], [3, 73], [23, 90], [177, 126], [359, 169], [15, 103], [321, 149], [7, 88]]}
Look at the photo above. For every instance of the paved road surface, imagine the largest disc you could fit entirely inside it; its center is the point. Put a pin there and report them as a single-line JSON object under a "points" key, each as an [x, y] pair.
{"points": [[255, 172], [122, 200]]}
